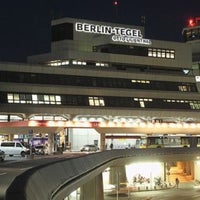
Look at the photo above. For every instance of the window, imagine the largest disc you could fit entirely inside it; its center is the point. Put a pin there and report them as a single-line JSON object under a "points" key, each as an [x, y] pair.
{"points": [[142, 101], [184, 88], [10, 98], [33, 98], [96, 101], [18, 145], [161, 53], [16, 98], [7, 144], [195, 105], [46, 99], [3, 118], [56, 63]]}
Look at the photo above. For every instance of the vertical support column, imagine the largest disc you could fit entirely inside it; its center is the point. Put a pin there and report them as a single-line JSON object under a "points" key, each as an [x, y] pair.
{"points": [[10, 137], [102, 142], [118, 175], [193, 142], [188, 167], [50, 143], [192, 169], [165, 171], [93, 189]]}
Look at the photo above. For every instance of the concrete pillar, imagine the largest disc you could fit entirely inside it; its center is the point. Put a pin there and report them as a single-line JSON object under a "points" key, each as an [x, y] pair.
{"points": [[188, 168], [118, 175], [192, 169], [193, 142], [10, 137], [93, 189], [102, 142], [50, 143]]}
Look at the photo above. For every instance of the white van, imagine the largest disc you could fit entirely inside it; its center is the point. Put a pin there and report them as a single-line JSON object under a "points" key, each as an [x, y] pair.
{"points": [[12, 148]]}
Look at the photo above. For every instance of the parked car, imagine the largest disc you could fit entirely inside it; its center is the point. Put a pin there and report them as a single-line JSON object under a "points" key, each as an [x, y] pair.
{"points": [[12, 148], [89, 147], [2, 155]]}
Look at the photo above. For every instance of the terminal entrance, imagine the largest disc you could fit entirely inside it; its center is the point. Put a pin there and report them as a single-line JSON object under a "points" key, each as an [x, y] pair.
{"points": [[120, 135]]}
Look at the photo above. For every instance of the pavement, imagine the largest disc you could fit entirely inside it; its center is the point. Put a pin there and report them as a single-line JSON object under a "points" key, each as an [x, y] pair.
{"points": [[186, 190]]}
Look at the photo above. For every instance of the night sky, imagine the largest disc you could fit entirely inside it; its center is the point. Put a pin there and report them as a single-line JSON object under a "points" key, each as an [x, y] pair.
{"points": [[25, 24]]}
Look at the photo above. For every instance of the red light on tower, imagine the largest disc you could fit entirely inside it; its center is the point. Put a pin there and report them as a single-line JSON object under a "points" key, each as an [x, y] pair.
{"points": [[115, 3], [191, 22]]}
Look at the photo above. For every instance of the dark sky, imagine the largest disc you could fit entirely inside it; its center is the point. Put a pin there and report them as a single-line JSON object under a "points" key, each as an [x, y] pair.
{"points": [[25, 24]]}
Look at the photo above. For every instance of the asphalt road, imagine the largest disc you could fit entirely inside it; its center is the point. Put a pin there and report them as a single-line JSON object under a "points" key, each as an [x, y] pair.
{"points": [[13, 166]]}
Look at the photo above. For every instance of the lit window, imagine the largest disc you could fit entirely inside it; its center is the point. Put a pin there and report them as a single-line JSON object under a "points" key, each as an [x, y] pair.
{"points": [[96, 101], [195, 105], [47, 117], [142, 105], [183, 88], [46, 99], [3, 118], [15, 118], [91, 101], [154, 53], [74, 62], [58, 99], [10, 98], [101, 102], [163, 54], [34, 98], [159, 53], [52, 99], [150, 52], [16, 98], [167, 55], [102, 64]]}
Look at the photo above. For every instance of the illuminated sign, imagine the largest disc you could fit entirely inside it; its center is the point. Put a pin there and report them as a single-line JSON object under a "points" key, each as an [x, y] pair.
{"points": [[119, 34], [197, 78]]}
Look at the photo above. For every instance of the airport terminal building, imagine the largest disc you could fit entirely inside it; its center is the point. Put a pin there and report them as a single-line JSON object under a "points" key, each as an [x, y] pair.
{"points": [[105, 78]]}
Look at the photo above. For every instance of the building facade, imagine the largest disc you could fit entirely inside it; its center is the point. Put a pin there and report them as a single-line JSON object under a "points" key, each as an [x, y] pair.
{"points": [[107, 77], [191, 35]]}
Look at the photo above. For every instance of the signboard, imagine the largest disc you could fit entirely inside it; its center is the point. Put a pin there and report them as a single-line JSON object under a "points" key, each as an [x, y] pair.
{"points": [[30, 134], [118, 34], [197, 78]]}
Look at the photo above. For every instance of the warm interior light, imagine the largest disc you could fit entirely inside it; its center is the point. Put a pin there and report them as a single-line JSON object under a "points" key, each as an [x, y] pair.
{"points": [[147, 170]]}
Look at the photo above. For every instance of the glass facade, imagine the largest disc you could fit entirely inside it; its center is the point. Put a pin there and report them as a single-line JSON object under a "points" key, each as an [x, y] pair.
{"points": [[99, 101], [92, 81]]}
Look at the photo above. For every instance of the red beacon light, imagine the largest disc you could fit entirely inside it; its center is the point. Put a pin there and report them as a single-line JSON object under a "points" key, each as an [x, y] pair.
{"points": [[191, 22], [115, 3], [194, 21]]}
